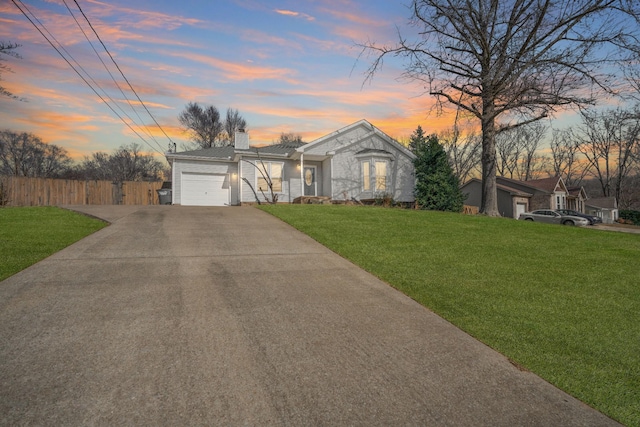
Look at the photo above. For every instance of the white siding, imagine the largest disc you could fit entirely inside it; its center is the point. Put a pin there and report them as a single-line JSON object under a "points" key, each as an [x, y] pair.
{"points": [[346, 170]]}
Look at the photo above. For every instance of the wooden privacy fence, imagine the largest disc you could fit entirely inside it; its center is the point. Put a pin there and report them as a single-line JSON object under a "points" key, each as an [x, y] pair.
{"points": [[22, 191]]}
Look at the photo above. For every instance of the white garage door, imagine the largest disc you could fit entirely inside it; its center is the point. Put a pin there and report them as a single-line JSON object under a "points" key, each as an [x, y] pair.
{"points": [[205, 189]]}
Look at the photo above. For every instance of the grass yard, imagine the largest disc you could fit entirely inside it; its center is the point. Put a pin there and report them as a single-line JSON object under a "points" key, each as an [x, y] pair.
{"points": [[30, 234], [563, 302]]}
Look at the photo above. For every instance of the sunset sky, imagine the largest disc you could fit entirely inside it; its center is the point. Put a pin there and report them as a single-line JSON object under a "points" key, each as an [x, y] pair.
{"points": [[287, 66]]}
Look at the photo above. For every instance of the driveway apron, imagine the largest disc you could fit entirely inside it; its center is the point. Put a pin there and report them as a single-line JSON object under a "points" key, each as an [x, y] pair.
{"points": [[227, 316]]}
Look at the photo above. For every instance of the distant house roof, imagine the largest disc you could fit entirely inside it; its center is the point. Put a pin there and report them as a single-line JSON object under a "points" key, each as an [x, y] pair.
{"points": [[547, 185], [602, 202], [512, 191], [577, 192]]}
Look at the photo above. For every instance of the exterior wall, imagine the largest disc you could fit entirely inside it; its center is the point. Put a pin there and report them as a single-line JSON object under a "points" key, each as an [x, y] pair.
{"points": [[506, 205], [290, 180], [327, 173], [346, 181], [339, 141], [473, 192], [209, 167], [541, 201], [609, 216]]}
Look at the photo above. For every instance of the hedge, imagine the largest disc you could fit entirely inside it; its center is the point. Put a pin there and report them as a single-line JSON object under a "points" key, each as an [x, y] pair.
{"points": [[630, 215]]}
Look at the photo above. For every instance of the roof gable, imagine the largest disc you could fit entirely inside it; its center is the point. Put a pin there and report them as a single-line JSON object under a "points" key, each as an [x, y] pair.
{"points": [[367, 130], [545, 185]]}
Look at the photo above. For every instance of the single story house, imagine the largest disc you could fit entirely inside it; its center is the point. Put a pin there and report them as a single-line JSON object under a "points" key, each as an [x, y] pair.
{"points": [[358, 162], [516, 197], [603, 207]]}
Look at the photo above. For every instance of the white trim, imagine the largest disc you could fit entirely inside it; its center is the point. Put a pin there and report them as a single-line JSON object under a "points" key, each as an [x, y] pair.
{"points": [[315, 180]]}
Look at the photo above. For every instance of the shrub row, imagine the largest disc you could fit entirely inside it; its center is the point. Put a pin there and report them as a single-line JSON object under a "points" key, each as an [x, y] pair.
{"points": [[629, 215]]}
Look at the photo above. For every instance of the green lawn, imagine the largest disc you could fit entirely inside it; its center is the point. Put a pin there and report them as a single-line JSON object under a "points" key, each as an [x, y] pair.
{"points": [[563, 302], [29, 234]]}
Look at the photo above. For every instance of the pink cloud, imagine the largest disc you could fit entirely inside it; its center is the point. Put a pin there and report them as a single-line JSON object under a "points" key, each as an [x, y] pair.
{"points": [[238, 71], [294, 14]]}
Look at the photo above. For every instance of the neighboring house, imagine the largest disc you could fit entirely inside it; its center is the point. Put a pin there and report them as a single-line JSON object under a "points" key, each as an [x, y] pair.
{"points": [[516, 197], [603, 207], [576, 199], [358, 161], [511, 201]]}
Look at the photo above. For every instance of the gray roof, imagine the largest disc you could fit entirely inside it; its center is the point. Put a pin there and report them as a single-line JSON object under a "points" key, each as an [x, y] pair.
{"points": [[286, 148], [213, 152], [229, 151], [602, 202]]}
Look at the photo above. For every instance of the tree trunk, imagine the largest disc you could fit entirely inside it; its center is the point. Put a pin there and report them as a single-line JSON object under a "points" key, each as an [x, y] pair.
{"points": [[489, 205]]}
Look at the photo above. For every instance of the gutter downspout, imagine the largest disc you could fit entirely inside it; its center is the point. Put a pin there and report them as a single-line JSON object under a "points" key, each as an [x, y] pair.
{"points": [[240, 181], [301, 176]]}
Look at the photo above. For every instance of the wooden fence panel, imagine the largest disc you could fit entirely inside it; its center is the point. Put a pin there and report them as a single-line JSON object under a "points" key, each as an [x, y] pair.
{"points": [[23, 191]]}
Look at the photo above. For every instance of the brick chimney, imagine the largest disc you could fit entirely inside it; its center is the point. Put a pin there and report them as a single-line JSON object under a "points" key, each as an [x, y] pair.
{"points": [[241, 140]]}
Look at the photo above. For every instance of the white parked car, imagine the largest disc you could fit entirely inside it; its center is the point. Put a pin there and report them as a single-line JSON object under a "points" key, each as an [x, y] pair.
{"points": [[553, 217]]}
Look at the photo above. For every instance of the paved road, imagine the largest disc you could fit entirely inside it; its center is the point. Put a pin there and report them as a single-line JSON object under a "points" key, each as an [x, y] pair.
{"points": [[226, 316]]}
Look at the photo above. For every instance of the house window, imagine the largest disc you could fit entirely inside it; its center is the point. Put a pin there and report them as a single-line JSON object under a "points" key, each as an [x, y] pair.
{"points": [[366, 175], [381, 176], [271, 170], [374, 175]]}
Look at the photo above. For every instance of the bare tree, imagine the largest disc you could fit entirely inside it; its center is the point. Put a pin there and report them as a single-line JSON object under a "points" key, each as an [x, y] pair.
{"points": [[510, 63], [127, 163], [290, 138], [203, 125], [609, 141], [517, 151], [463, 151], [24, 154], [507, 154], [270, 193], [565, 157], [232, 123], [7, 49], [206, 128]]}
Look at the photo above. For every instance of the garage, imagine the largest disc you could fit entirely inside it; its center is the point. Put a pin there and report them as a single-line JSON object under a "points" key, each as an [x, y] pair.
{"points": [[199, 189]]}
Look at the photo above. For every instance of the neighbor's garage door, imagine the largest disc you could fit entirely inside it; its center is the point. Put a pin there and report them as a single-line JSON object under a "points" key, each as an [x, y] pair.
{"points": [[205, 189]]}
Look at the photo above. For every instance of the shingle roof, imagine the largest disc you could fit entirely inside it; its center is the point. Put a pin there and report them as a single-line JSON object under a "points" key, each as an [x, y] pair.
{"points": [[513, 191], [213, 152], [602, 202], [229, 151], [545, 184], [286, 148]]}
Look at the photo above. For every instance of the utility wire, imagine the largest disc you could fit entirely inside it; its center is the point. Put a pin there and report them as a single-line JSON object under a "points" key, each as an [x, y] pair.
{"points": [[148, 131], [121, 73], [74, 69]]}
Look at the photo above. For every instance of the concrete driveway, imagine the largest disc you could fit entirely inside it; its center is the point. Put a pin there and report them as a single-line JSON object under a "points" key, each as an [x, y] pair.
{"points": [[227, 316]]}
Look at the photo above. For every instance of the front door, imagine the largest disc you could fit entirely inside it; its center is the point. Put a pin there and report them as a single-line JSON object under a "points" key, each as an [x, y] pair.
{"points": [[310, 185]]}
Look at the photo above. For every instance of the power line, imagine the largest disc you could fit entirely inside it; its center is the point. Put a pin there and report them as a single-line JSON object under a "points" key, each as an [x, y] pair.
{"points": [[113, 79], [121, 73], [73, 68]]}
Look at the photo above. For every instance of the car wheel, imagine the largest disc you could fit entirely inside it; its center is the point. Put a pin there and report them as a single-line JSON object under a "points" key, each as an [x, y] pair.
{"points": [[528, 219], [568, 222]]}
